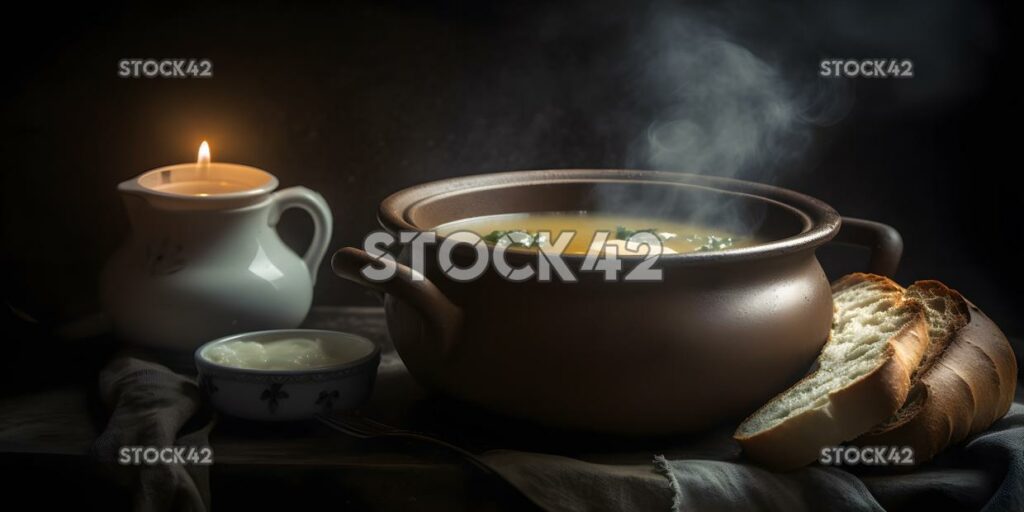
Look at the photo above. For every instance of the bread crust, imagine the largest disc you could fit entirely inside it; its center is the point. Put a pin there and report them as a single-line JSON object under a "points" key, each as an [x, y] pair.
{"points": [[955, 315], [851, 410], [956, 309], [860, 277], [970, 385]]}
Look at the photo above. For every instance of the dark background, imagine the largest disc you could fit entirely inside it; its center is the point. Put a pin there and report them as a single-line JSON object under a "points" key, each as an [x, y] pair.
{"points": [[357, 100]]}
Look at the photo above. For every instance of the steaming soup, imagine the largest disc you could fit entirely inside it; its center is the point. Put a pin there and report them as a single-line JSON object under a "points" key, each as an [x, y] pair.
{"points": [[525, 230]]}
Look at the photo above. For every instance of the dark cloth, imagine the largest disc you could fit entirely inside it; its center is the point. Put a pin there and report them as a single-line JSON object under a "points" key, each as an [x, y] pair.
{"points": [[152, 406], [985, 473]]}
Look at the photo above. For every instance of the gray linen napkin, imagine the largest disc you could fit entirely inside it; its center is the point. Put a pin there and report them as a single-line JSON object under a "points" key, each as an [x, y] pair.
{"points": [[986, 472], [153, 406]]}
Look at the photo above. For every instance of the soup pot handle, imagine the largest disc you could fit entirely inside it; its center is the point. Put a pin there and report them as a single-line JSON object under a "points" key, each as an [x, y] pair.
{"points": [[885, 243], [444, 319]]}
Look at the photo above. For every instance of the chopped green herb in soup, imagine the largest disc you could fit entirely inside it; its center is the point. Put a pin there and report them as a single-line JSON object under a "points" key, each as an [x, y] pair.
{"points": [[529, 230]]}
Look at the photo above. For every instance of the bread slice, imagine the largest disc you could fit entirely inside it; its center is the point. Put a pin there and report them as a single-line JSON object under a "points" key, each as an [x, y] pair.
{"points": [[946, 312], [966, 384], [878, 338]]}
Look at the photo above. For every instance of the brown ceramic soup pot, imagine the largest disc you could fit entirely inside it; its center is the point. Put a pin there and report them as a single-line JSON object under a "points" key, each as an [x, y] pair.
{"points": [[719, 335]]}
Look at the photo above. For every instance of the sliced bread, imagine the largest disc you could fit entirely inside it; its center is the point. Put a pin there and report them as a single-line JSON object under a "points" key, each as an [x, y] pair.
{"points": [[946, 312], [965, 383], [863, 376]]}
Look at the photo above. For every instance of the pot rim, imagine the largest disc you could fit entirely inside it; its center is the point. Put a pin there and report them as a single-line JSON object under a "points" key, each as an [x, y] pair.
{"points": [[821, 222]]}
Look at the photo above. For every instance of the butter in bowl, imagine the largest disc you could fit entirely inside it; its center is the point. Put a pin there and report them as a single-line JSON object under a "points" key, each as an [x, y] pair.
{"points": [[287, 374]]}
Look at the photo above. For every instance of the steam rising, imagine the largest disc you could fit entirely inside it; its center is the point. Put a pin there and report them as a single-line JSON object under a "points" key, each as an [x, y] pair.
{"points": [[719, 108], [724, 110]]}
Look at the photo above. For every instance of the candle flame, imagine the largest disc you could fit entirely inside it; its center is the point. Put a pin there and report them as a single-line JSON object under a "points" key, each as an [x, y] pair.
{"points": [[204, 154]]}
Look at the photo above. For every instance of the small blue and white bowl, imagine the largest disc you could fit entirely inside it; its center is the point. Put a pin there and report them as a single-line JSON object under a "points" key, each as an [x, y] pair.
{"points": [[287, 395]]}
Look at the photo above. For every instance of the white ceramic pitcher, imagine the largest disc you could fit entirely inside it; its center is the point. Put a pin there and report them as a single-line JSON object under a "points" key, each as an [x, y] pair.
{"points": [[204, 259]]}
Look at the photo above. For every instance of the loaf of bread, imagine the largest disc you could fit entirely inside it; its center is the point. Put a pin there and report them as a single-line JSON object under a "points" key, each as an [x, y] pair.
{"points": [[863, 376], [936, 362], [966, 382]]}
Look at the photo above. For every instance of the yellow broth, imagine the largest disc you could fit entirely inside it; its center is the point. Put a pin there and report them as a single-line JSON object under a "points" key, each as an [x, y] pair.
{"points": [[674, 235]]}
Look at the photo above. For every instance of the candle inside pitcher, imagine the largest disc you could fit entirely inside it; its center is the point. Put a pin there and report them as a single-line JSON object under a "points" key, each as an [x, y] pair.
{"points": [[202, 182], [203, 258]]}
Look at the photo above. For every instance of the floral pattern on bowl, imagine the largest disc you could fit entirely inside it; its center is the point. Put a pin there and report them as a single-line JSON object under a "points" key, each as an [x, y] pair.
{"points": [[286, 395]]}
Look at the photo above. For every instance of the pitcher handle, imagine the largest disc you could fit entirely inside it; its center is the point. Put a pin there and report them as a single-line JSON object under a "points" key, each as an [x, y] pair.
{"points": [[323, 223]]}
